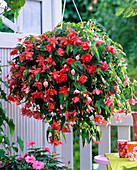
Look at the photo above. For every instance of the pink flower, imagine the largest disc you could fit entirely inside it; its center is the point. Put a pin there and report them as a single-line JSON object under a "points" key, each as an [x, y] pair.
{"points": [[109, 102], [20, 157], [98, 41], [89, 100], [97, 91], [60, 52], [11, 99], [103, 80], [118, 119], [62, 165], [104, 67], [55, 157], [122, 111], [86, 58], [132, 101], [38, 85], [77, 57], [30, 159], [30, 143], [82, 79], [0, 162], [45, 84], [127, 81], [111, 49], [95, 141], [14, 52], [73, 72], [50, 61], [76, 92], [91, 69], [76, 99], [56, 125], [85, 46], [99, 119], [47, 149], [38, 165]]}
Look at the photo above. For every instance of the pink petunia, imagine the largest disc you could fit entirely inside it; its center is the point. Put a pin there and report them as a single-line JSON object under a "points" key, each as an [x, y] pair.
{"points": [[0, 162], [47, 149], [30, 143], [38, 165], [30, 159]]}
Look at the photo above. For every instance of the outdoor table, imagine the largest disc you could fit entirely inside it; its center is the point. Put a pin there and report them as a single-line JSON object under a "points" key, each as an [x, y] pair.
{"points": [[102, 159]]}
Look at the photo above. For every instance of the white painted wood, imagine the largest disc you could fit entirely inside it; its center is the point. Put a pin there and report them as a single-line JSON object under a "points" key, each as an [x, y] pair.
{"points": [[105, 146], [47, 15], [128, 121], [31, 17], [85, 156], [124, 132], [57, 12], [67, 149], [9, 24]]}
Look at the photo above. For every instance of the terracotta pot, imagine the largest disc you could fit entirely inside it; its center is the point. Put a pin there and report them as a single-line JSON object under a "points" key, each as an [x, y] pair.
{"points": [[134, 115]]}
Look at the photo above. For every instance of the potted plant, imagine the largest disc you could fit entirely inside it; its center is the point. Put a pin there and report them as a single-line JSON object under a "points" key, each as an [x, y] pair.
{"points": [[71, 76]]}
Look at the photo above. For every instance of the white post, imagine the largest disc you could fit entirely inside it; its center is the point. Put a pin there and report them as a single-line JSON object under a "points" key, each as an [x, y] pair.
{"points": [[85, 156], [105, 146]]}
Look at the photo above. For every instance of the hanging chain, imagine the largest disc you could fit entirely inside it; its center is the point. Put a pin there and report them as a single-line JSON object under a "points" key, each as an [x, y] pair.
{"points": [[77, 10], [63, 12], [64, 6]]}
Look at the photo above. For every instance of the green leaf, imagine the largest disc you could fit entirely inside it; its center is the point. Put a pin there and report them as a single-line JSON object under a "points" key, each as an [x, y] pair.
{"points": [[80, 65], [4, 82], [120, 11], [16, 4], [68, 48], [75, 50], [61, 98], [95, 50], [0, 21], [20, 142], [11, 126]]}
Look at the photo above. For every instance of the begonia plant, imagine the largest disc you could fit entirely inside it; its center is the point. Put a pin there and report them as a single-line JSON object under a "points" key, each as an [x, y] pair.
{"points": [[71, 76]]}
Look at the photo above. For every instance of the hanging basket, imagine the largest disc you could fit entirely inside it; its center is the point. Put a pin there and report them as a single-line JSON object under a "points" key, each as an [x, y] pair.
{"points": [[71, 76]]}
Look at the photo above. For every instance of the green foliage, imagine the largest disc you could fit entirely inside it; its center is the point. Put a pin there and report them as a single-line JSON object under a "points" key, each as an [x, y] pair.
{"points": [[40, 155], [4, 28], [128, 9]]}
